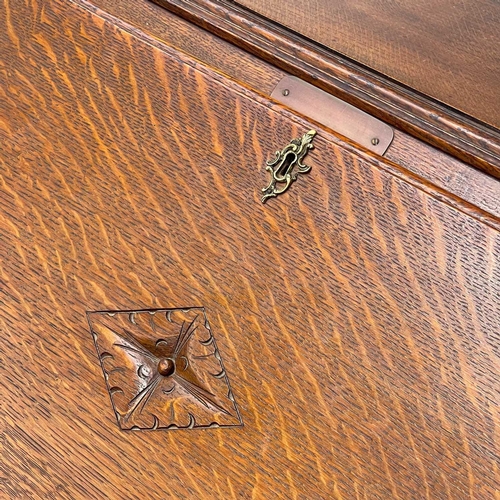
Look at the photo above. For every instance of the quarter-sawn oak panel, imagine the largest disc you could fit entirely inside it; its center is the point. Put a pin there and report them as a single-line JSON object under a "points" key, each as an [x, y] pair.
{"points": [[357, 314]]}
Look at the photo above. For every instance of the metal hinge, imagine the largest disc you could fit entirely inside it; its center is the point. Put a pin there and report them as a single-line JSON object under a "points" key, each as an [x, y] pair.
{"points": [[334, 113]]}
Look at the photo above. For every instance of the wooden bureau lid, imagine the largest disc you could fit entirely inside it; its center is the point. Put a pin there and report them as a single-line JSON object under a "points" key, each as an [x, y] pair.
{"points": [[350, 324], [448, 50]]}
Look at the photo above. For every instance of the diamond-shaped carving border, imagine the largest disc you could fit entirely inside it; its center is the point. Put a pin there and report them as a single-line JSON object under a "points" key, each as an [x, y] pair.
{"points": [[163, 369]]}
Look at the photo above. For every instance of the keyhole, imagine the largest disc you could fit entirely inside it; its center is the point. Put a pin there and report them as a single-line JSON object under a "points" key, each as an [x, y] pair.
{"points": [[288, 161]]}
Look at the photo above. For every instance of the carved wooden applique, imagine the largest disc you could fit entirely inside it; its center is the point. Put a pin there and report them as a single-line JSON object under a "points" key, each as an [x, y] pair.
{"points": [[163, 369]]}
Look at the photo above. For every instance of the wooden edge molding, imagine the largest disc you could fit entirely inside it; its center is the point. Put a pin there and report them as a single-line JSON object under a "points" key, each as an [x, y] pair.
{"points": [[431, 121]]}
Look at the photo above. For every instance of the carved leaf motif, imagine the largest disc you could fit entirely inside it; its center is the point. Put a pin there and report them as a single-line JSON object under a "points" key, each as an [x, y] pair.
{"points": [[163, 369]]}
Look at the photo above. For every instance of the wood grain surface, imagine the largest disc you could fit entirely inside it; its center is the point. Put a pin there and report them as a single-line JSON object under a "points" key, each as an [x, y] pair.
{"points": [[399, 105], [446, 172], [446, 49], [357, 314], [148, 20]]}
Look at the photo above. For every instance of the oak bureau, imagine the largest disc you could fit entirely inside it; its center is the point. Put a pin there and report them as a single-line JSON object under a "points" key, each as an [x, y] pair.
{"points": [[249, 249]]}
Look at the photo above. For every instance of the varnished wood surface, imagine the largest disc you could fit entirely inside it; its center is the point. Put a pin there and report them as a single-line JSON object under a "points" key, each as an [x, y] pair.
{"points": [[446, 172], [357, 315], [435, 123], [147, 19], [448, 50]]}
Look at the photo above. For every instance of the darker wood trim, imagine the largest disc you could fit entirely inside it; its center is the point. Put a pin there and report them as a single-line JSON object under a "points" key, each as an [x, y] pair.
{"points": [[431, 121]]}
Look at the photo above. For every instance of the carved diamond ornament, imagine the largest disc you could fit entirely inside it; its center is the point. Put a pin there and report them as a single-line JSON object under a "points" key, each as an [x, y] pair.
{"points": [[163, 369]]}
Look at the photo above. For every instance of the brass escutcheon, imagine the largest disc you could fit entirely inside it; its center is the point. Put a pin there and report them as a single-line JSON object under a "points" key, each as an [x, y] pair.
{"points": [[287, 165]]}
